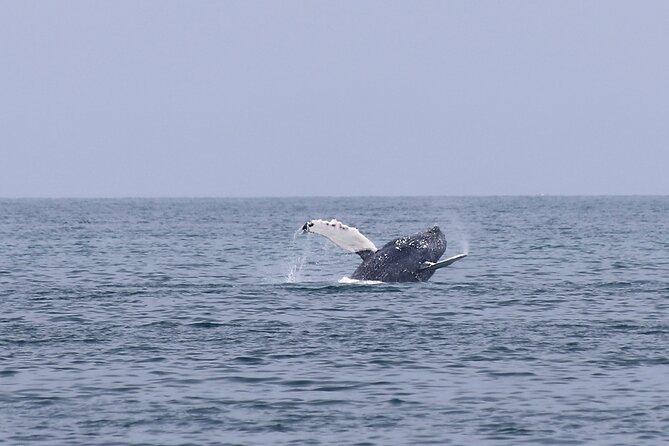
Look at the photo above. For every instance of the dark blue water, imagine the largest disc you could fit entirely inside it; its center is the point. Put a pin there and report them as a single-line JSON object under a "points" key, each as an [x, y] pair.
{"points": [[209, 322]]}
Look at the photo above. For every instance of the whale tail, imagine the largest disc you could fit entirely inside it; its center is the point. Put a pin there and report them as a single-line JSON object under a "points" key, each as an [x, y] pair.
{"points": [[346, 237]]}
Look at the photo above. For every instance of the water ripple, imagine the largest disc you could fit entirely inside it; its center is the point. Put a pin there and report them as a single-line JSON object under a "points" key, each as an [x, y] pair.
{"points": [[170, 322]]}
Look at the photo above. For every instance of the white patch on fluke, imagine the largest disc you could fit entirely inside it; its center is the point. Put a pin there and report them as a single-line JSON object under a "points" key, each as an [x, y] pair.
{"points": [[346, 237]]}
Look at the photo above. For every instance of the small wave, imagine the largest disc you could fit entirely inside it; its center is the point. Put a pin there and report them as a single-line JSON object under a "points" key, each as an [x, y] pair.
{"points": [[349, 281]]}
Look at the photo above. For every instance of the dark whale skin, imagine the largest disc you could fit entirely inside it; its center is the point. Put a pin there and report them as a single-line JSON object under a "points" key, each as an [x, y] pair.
{"points": [[402, 259]]}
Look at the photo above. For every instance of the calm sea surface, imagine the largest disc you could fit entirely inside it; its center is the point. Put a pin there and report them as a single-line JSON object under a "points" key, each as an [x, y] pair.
{"points": [[211, 321]]}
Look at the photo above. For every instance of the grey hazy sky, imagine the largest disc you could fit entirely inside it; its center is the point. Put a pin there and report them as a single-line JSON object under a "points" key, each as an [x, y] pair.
{"points": [[246, 98]]}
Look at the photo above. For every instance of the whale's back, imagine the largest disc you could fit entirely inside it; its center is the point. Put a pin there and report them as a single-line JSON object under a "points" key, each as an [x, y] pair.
{"points": [[403, 259]]}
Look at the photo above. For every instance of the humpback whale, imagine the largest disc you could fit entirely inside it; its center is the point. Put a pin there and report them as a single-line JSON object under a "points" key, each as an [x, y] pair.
{"points": [[413, 258]]}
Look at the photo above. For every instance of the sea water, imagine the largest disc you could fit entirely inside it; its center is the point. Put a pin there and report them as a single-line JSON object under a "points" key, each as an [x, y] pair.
{"points": [[211, 321]]}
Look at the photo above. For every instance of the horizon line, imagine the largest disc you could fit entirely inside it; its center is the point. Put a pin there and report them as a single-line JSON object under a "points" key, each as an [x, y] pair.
{"points": [[241, 197]]}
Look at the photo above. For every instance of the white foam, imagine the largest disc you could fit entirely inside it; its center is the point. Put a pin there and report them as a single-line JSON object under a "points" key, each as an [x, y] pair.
{"points": [[349, 281]]}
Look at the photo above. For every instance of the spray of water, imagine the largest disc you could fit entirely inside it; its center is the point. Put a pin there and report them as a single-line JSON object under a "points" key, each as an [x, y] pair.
{"points": [[299, 259], [294, 274], [464, 245], [458, 233]]}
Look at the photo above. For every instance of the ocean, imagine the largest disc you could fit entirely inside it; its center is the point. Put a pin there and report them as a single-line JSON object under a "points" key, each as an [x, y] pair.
{"points": [[216, 322]]}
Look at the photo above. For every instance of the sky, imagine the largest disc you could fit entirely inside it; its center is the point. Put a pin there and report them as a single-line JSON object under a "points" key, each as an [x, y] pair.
{"points": [[333, 98]]}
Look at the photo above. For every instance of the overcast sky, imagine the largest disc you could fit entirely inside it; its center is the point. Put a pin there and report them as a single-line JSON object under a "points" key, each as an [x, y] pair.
{"points": [[284, 98]]}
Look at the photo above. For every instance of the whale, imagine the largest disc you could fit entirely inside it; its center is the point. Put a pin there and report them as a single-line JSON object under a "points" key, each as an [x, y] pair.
{"points": [[413, 258]]}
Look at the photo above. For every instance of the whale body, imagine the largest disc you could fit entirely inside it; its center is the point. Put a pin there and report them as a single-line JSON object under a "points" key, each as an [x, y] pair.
{"points": [[413, 258]]}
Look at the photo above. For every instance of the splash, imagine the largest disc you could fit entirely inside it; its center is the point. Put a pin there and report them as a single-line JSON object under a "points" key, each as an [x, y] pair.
{"points": [[294, 274], [299, 260], [349, 281]]}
